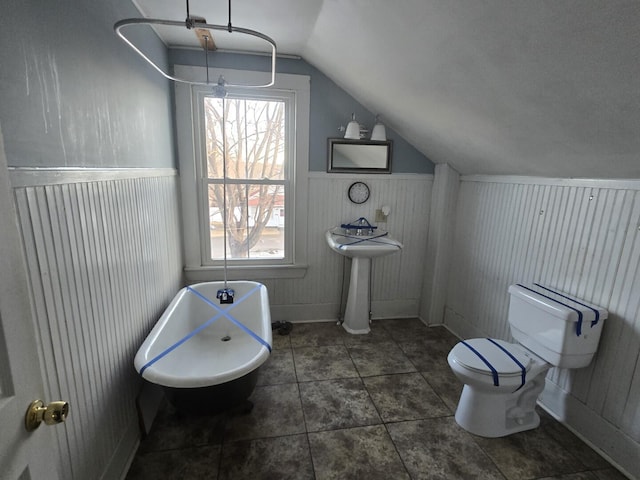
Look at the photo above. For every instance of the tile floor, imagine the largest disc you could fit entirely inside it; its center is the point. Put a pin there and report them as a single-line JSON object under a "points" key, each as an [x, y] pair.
{"points": [[330, 405]]}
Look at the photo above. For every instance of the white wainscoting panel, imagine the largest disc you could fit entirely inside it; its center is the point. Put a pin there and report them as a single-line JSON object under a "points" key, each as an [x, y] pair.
{"points": [[397, 279], [103, 259], [580, 236]]}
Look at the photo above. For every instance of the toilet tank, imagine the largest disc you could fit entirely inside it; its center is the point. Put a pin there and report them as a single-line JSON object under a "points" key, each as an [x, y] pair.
{"points": [[561, 329]]}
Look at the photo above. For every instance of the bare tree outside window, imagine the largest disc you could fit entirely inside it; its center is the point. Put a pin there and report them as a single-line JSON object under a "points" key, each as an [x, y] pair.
{"points": [[250, 133]]}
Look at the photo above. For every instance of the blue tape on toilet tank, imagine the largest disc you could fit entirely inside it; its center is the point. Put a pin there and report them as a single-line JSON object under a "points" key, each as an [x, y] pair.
{"points": [[579, 323], [594, 310]]}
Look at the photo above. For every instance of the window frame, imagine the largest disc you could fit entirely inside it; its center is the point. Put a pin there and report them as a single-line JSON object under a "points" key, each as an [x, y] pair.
{"points": [[190, 128], [288, 97]]}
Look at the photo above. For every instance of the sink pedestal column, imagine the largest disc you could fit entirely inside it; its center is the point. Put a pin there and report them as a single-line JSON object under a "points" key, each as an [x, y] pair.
{"points": [[356, 315]]}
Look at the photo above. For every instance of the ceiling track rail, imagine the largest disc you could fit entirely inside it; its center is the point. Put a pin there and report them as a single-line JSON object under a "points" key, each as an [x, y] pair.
{"points": [[127, 22]]}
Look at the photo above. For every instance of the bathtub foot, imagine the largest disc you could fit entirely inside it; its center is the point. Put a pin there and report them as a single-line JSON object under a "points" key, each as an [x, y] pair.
{"points": [[283, 328], [243, 408], [246, 407]]}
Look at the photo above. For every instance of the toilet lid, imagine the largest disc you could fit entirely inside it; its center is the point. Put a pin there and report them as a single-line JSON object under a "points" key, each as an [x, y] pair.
{"points": [[506, 358]]}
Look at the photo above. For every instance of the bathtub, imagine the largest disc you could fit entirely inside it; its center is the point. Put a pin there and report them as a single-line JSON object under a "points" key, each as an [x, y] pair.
{"points": [[205, 354]]}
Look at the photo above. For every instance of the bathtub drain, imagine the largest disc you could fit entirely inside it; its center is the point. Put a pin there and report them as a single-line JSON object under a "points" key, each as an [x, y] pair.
{"points": [[226, 338]]}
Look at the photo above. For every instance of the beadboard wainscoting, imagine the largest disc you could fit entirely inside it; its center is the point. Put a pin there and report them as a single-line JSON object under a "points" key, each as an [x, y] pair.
{"points": [[103, 259], [579, 236], [396, 280]]}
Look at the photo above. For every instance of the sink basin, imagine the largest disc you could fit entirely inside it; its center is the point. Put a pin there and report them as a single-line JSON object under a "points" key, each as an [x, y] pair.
{"points": [[378, 244]]}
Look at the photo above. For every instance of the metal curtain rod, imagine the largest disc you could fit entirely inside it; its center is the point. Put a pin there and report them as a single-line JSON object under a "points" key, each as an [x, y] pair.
{"points": [[186, 24]]}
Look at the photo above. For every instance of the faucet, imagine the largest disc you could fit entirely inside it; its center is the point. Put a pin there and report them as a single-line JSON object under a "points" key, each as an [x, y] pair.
{"points": [[361, 226], [364, 227]]}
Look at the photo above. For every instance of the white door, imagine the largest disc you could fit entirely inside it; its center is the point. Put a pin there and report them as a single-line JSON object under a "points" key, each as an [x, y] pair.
{"points": [[23, 455]]}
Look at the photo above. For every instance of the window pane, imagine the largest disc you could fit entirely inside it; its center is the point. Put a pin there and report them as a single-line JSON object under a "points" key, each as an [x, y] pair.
{"points": [[255, 221], [255, 138]]}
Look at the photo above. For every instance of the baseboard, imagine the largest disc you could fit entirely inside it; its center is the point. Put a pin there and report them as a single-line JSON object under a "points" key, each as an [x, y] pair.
{"points": [[124, 454], [605, 438], [405, 308], [324, 312], [305, 312], [457, 324]]}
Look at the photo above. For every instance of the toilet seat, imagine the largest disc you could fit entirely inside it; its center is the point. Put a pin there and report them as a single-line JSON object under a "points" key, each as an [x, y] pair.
{"points": [[492, 357]]}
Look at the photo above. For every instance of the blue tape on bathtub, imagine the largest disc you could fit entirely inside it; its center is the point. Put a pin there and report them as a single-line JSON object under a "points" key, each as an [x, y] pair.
{"points": [[221, 313], [233, 320], [510, 355], [180, 342], [578, 326], [594, 310], [494, 372]]}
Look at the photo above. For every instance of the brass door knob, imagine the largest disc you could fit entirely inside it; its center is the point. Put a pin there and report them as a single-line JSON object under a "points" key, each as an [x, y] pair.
{"points": [[52, 414]]}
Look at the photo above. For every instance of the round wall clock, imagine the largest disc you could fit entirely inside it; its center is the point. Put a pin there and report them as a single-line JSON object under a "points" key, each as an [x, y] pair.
{"points": [[359, 192]]}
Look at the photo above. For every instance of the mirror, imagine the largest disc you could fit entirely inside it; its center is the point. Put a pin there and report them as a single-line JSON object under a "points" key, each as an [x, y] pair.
{"points": [[361, 156]]}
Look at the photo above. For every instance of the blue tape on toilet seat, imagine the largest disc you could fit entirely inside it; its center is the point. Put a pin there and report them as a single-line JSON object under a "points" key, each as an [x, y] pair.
{"points": [[221, 313], [523, 369], [494, 372]]}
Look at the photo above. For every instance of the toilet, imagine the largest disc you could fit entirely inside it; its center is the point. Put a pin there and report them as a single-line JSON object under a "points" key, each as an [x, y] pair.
{"points": [[502, 380]]}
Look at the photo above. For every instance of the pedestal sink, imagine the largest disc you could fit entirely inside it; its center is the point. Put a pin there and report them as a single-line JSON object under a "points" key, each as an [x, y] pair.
{"points": [[361, 249]]}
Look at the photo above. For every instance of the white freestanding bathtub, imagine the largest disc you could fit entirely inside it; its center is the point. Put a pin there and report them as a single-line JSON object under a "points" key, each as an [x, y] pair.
{"points": [[206, 354]]}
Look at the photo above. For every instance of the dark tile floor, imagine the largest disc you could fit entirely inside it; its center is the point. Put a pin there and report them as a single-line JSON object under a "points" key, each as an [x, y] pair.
{"points": [[330, 405]]}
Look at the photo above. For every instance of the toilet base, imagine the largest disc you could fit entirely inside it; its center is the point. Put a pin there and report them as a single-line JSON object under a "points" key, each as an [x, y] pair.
{"points": [[500, 414]]}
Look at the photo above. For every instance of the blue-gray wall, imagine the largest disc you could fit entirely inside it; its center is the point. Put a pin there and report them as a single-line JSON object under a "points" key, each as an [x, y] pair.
{"points": [[330, 107], [72, 94]]}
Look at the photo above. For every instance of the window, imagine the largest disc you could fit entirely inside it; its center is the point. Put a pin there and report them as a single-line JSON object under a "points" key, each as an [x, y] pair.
{"points": [[250, 137], [261, 137]]}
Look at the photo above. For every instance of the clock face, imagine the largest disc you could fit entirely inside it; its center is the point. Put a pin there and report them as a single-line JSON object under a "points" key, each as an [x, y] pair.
{"points": [[359, 192]]}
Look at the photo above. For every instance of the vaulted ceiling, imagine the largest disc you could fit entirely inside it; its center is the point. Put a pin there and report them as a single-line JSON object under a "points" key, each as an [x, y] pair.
{"points": [[538, 87]]}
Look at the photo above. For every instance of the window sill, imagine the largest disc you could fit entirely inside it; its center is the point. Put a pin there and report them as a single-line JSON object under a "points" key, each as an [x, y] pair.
{"points": [[206, 274]]}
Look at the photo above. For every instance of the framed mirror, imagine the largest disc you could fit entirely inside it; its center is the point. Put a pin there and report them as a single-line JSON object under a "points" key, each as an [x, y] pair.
{"points": [[361, 156]]}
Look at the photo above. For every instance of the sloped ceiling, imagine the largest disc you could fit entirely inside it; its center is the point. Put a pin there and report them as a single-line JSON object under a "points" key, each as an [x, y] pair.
{"points": [[540, 87]]}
